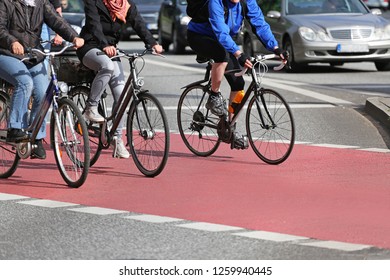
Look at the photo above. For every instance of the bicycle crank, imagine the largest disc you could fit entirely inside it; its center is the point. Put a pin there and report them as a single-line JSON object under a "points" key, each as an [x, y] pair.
{"points": [[24, 149]]}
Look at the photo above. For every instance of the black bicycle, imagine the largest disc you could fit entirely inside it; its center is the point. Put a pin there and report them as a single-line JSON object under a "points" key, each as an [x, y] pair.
{"points": [[269, 121], [68, 136], [147, 125]]}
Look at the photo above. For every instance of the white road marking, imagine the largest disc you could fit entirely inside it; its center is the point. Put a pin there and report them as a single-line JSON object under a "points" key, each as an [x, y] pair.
{"points": [[47, 203], [97, 210], [342, 246], [271, 236], [376, 150], [153, 218], [335, 146], [7, 196], [209, 227]]}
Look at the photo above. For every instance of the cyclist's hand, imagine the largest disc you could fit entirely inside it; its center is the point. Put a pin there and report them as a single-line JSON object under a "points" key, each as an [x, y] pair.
{"points": [[78, 42], [110, 51], [157, 48], [244, 60], [17, 48], [57, 40], [281, 53]]}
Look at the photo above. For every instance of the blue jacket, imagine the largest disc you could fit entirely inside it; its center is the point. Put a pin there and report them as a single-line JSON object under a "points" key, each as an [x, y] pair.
{"points": [[223, 26]]}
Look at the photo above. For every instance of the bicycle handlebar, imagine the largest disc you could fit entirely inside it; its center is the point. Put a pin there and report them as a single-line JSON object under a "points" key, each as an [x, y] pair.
{"points": [[33, 50], [122, 53], [260, 58]]}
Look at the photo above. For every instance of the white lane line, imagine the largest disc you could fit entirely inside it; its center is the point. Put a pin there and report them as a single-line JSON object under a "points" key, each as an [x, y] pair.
{"points": [[285, 85], [335, 146], [97, 210], [209, 227], [6, 196], [376, 150], [271, 236], [336, 245], [47, 203], [153, 218]]}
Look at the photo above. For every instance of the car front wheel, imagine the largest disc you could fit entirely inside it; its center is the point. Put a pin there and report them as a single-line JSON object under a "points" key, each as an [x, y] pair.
{"points": [[292, 66]]}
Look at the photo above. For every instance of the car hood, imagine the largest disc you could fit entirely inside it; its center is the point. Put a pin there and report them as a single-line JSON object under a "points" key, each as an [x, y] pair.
{"points": [[339, 20]]}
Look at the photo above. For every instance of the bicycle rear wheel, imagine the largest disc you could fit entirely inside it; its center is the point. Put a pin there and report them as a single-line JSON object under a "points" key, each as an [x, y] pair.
{"points": [[270, 126], [70, 143], [148, 134], [79, 96], [9, 158], [197, 126]]}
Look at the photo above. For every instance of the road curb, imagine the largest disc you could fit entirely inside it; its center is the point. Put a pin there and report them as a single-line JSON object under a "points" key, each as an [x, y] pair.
{"points": [[379, 108]]}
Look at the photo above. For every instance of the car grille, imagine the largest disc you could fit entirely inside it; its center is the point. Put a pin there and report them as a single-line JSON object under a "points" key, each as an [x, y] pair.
{"points": [[351, 33]]}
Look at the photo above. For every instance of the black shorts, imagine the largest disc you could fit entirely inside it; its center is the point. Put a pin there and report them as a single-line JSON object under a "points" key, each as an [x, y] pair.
{"points": [[210, 48]]}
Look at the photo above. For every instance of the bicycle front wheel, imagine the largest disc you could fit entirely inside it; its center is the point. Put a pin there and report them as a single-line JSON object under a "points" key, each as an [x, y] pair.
{"points": [[148, 134], [270, 126], [79, 96], [197, 126], [69, 138], [9, 158]]}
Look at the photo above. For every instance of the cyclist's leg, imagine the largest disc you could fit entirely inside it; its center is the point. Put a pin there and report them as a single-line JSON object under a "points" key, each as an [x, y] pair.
{"points": [[117, 83], [209, 47], [17, 74], [236, 86], [41, 82], [104, 68]]}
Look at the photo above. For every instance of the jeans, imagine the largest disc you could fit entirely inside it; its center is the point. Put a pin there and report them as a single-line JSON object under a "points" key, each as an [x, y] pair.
{"points": [[26, 82], [108, 73]]}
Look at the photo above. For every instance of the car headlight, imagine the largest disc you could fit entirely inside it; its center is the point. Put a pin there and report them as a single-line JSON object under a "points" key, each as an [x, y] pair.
{"points": [[382, 33], [184, 20], [307, 33]]}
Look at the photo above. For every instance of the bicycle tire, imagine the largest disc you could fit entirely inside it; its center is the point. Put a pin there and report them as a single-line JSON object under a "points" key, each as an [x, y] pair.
{"points": [[195, 122], [272, 142], [148, 134], [9, 158], [72, 154], [79, 95]]}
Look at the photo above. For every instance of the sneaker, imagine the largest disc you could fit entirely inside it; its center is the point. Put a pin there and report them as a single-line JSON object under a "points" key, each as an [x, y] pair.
{"points": [[38, 152], [216, 105], [120, 150], [92, 114], [16, 135], [240, 141]]}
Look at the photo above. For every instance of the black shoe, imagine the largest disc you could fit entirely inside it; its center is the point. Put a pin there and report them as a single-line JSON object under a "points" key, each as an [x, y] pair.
{"points": [[38, 152], [16, 135], [240, 141], [216, 104]]}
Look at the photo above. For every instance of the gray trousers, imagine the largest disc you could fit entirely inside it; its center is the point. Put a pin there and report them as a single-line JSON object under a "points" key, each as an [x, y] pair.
{"points": [[108, 73]]}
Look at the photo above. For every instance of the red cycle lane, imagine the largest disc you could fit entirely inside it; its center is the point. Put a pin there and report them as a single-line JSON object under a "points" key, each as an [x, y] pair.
{"points": [[322, 193]]}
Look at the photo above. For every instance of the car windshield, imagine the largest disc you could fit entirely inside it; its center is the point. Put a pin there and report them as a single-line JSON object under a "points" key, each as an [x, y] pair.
{"points": [[72, 6], [299, 7]]}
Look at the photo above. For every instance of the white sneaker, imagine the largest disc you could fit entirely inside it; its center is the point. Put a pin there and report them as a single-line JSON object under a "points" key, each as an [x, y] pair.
{"points": [[120, 150], [92, 114]]}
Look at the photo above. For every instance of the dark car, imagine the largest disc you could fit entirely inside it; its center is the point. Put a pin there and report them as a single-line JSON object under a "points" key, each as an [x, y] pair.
{"points": [[149, 11], [73, 12], [172, 25], [320, 31]]}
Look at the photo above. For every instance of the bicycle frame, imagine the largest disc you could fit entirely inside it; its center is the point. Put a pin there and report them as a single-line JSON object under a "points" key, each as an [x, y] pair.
{"points": [[129, 91]]}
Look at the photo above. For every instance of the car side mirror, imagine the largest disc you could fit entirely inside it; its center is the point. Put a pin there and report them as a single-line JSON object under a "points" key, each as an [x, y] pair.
{"points": [[376, 11], [273, 14]]}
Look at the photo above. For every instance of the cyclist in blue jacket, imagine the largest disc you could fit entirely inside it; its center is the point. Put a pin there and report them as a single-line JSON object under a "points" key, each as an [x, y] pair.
{"points": [[212, 36]]}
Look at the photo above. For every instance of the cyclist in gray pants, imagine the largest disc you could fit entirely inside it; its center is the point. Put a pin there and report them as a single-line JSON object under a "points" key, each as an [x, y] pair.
{"points": [[101, 32]]}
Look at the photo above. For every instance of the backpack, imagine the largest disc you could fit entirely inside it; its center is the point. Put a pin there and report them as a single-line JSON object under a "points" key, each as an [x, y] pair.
{"points": [[198, 10]]}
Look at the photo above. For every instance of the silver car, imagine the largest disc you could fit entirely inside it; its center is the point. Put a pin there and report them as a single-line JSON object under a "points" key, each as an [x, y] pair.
{"points": [[329, 31], [381, 4]]}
